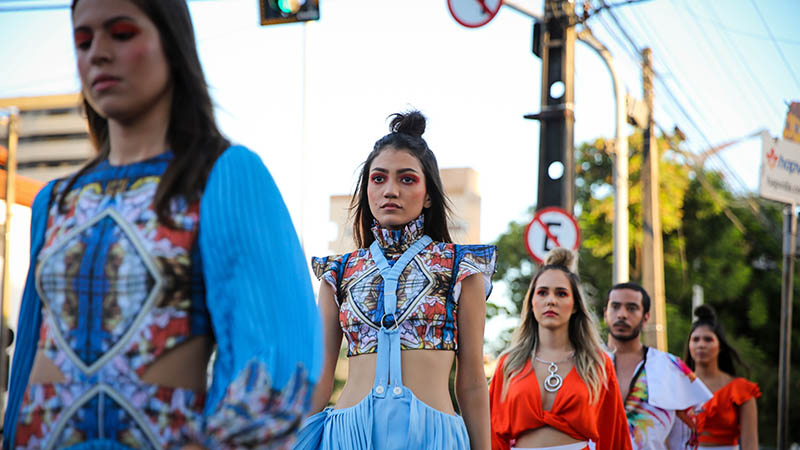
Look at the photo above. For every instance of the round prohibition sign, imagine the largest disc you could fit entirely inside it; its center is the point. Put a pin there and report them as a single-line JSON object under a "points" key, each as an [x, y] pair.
{"points": [[550, 228], [474, 13]]}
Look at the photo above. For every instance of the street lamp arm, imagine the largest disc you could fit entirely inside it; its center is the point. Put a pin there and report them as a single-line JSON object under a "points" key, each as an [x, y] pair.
{"points": [[620, 173]]}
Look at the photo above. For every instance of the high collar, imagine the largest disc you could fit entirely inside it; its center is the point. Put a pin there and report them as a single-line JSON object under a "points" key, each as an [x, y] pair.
{"points": [[398, 241]]}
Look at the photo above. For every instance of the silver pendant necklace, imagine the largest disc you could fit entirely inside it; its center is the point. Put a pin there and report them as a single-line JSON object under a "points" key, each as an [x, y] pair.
{"points": [[553, 381]]}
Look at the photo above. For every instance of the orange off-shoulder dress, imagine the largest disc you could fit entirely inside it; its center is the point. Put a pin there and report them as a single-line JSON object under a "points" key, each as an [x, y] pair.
{"points": [[718, 420], [602, 422]]}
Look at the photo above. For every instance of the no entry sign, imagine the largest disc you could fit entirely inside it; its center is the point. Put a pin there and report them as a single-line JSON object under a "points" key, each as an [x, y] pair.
{"points": [[474, 13], [551, 227]]}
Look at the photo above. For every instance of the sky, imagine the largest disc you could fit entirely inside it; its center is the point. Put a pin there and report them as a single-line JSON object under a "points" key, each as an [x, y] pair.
{"points": [[312, 99]]}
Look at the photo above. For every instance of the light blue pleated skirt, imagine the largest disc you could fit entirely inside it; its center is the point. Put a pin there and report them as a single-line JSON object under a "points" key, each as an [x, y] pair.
{"points": [[374, 424]]}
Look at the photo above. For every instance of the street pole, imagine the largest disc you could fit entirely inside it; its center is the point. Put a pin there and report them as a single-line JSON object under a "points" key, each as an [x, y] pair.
{"points": [[655, 332], [10, 197], [620, 171], [556, 149], [789, 232]]}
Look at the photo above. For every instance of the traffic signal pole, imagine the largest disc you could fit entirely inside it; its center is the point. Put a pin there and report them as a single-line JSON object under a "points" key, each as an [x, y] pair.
{"points": [[556, 118]]}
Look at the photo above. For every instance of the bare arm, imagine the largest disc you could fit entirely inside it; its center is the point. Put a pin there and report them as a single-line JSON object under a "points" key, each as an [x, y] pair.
{"points": [[748, 419], [472, 391], [332, 341]]}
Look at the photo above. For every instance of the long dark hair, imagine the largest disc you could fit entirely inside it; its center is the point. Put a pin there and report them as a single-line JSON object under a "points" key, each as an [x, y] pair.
{"points": [[728, 357], [192, 134], [406, 134]]}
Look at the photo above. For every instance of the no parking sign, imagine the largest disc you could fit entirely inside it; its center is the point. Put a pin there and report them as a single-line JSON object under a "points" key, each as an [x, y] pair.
{"points": [[551, 227]]}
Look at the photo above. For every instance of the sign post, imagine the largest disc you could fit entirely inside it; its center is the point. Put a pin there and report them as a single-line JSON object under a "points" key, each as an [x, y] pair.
{"points": [[550, 228], [780, 181]]}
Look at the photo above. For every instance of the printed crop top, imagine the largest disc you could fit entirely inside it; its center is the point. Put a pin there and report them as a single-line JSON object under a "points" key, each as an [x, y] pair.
{"points": [[427, 292]]}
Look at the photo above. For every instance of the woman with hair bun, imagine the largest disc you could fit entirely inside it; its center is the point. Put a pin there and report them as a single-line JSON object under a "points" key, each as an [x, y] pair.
{"points": [[555, 387], [731, 415], [410, 303]]}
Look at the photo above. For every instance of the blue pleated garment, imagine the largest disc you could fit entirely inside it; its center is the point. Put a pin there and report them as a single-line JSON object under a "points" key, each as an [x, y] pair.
{"points": [[391, 417]]}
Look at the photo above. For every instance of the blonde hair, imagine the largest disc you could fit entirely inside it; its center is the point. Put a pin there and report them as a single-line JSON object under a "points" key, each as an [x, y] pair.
{"points": [[583, 336]]}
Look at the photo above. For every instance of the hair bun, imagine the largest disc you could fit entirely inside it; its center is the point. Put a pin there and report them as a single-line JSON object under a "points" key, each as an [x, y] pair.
{"points": [[560, 256], [705, 313], [409, 122]]}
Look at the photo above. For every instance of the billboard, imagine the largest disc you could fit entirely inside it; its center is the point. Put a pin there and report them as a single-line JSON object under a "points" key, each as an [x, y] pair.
{"points": [[780, 170]]}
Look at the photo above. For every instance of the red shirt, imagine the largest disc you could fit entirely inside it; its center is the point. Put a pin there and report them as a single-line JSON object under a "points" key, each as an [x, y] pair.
{"points": [[718, 420], [603, 421]]}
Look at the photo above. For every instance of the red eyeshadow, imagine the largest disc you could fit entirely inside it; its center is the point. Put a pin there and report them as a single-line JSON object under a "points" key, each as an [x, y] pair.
{"points": [[82, 37], [124, 28]]}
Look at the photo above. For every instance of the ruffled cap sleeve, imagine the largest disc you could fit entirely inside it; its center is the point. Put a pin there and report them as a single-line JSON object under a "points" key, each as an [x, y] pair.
{"points": [[743, 390], [474, 259], [328, 268]]}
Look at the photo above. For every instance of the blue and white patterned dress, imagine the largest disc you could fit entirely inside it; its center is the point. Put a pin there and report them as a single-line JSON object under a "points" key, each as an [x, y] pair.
{"points": [[111, 290]]}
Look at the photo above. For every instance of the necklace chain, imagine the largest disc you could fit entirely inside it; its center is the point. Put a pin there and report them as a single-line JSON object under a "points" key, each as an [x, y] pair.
{"points": [[567, 359], [553, 381]]}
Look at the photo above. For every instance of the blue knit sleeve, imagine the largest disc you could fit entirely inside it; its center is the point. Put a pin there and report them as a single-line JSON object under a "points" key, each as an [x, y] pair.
{"points": [[30, 320], [262, 308]]}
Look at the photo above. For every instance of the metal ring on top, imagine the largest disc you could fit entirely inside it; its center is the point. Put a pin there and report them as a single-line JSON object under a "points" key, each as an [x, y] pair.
{"points": [[392, 323]]}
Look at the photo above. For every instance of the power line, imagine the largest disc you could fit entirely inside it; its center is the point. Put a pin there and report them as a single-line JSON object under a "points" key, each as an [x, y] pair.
{"points": [[729, 29], [777, 47], [671, 95], [735, 50]]}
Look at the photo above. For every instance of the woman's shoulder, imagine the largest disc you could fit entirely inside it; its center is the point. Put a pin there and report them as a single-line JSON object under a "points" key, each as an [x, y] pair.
{"points": [[741, 389], [237, 155]]}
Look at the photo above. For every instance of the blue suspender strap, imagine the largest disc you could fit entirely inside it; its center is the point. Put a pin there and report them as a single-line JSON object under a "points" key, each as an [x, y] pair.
{"points": [[389, 361]]}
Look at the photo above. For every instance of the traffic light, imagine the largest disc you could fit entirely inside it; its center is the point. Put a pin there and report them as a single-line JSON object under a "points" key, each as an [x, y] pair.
{"points": [[287, 11]]}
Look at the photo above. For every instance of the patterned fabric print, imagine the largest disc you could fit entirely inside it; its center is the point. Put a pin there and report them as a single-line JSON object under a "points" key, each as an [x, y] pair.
{"points": [[119, 290], [645, 421], [119, 408], [253, 413], [427, 294]]}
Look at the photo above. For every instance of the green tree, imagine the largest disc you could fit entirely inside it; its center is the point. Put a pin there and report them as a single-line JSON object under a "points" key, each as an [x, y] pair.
{"points": [[725, 243]]}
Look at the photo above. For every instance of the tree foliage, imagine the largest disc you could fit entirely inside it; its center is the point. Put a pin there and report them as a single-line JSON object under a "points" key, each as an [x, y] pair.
{"points": [[726, 244]]}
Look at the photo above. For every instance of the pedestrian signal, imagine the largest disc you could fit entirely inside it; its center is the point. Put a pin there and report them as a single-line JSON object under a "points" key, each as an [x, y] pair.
{"points": [[275, 12]]}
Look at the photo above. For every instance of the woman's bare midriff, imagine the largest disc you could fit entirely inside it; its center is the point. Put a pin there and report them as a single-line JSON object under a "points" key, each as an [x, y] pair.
{"points": [[544, 437], [182, 367], [425, 372]]}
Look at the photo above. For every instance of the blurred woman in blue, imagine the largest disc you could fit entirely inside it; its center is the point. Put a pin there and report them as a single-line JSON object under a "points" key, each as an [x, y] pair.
{"points": [[168, 245]]}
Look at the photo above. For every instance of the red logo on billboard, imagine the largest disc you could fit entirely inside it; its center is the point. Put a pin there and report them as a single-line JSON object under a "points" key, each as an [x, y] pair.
{"points": [[772, 158]]}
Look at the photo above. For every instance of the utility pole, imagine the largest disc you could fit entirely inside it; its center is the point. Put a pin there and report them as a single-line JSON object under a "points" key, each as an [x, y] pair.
{"points": [[554, 42], [784, 359], [655, 332]]}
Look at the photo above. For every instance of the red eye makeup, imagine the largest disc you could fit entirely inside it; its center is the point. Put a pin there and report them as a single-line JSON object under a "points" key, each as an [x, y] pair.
{"points": [[377, 178], [82, 38], [124, 30], [410, 179]]}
